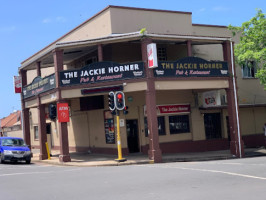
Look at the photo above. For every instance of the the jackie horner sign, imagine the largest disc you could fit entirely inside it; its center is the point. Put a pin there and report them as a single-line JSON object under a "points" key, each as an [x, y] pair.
{"points": [[39, 85], [102, 71], [191, 67]]}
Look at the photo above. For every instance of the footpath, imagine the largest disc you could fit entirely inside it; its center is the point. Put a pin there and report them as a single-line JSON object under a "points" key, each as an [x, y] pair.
{"points": [[97, 160]]}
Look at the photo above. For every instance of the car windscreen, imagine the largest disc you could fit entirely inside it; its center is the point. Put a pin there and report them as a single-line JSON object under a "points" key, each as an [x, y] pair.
{"points": [[13, 142]]}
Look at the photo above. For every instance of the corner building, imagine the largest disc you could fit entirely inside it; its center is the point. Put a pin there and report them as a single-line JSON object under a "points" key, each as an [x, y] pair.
{"points": [[187, 104]]}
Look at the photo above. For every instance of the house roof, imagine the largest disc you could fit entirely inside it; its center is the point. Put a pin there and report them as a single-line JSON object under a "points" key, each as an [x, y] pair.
{"points": [[10, 120]]}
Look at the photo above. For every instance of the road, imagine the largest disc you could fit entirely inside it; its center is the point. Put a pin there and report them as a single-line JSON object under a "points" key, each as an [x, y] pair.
{"points": [[219, 180]]}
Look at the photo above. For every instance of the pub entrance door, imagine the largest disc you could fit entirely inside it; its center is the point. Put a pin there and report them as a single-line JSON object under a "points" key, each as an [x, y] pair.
{"points": [[212, 123], [132, 136]]}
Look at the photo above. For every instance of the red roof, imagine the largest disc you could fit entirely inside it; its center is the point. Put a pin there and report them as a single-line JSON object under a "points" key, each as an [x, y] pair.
{"points": [[11, 119]]}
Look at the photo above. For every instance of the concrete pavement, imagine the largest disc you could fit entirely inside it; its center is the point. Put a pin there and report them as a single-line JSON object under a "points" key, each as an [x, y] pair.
{"points": [[89, 160]]}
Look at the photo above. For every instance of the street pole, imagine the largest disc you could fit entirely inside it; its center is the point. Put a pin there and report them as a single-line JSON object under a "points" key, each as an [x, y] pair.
{"points": [[119, 147]]}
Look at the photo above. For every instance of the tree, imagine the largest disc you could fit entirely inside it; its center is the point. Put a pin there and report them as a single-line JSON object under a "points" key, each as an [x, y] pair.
{"points": [[252, 45]]}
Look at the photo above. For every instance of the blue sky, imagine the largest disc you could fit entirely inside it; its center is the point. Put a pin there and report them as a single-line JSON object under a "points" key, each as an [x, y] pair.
{"points": [[26, 26]]}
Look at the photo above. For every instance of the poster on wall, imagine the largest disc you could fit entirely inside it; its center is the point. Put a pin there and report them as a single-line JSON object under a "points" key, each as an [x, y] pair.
{"points": [[152, 55], [63, 112], [211, 98], [18, 84], [109, 127]]}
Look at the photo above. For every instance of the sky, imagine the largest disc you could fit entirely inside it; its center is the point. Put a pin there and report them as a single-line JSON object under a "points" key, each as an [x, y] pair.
{"points": [[27, 26]]}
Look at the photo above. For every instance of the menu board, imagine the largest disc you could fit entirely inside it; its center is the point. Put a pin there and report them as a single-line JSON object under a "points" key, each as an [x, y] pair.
{"points": [[109, 128]]}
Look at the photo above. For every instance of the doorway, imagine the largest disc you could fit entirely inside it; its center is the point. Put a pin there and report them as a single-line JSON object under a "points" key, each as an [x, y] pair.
{"points": [[212, 123], [132, 135], [49, 137]]}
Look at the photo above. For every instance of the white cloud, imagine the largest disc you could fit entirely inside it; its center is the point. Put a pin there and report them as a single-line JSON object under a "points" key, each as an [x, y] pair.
{"points": [[60, 19], [221, 9], [46, 20], [7, 29], [54, 20], [202, 10]]}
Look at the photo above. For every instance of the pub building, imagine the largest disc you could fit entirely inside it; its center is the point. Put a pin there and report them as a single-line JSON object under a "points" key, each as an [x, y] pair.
{"points": [[179, 81]]}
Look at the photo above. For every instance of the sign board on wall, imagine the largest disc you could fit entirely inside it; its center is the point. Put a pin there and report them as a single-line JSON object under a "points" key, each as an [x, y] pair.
{"points": [[152, 55], [102, 72], [39, 85], [18, 84], [191, 67], [211, 98], [63, 112], [171, 109]]}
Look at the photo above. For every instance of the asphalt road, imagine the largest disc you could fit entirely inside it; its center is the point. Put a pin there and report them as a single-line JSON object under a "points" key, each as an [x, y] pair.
{"points": [[219, 180]]}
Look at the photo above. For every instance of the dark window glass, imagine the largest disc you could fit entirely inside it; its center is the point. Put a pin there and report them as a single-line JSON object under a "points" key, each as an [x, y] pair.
{"points": [[36, 133], [249, 70], [161, 126], [91, 103], [179, 124], [161, 54]]}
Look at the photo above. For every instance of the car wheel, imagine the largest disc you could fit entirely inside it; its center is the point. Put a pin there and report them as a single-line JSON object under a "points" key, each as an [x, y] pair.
{"points": [[28, 161], [2, 161]]}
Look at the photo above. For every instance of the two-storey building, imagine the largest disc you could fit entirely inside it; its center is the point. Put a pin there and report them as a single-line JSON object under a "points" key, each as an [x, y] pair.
{"points": [[188, 103]]}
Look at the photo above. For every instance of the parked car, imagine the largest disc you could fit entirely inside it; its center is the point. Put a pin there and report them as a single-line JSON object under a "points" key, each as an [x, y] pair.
{"points": [[14, 149]]}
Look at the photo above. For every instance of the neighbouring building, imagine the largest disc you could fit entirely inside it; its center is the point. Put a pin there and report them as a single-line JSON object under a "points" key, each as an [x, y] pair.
{"points": [[10, 126], [194, 100]]}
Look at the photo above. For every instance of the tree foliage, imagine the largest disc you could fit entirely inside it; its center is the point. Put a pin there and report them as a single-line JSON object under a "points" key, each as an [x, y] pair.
{"points": [[252, 45]]}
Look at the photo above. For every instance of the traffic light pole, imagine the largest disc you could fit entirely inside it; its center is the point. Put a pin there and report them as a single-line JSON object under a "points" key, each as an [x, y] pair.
{"points": [[119, 147]]}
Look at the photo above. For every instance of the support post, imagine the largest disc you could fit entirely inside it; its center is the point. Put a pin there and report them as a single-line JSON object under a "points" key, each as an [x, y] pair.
{"points": [[119, 145], [62, 126], [42, 130], [236, 143], [155, 154], [189, 48], [25, 111]]}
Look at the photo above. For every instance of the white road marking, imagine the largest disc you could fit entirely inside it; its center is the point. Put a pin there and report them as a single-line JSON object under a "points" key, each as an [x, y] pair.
{"points": [[26, 173], [223, 172], [47, 172], [206, 170]]}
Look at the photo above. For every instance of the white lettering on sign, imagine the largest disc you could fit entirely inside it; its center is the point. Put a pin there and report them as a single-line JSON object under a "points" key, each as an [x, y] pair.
{"points": [[71, 74], [63, 108]]}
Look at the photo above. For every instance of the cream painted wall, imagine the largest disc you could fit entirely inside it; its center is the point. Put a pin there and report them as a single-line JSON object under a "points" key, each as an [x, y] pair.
{"points": [[17, 133], [99, 26], [252, 120], [214, 31], [130, 20]]}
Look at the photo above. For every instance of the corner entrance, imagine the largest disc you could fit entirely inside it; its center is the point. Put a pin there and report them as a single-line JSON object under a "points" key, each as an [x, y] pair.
{"points": [[212, 123], [132, 136]]}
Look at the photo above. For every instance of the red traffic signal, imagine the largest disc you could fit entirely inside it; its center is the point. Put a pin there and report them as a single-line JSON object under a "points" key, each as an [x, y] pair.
{"points": [[119, 100], [125, 111]]}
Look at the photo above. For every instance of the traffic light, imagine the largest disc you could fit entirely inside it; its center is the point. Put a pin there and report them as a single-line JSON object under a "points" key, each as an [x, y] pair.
{"points": [[52, 111], [125, 110], [119, 100], [111, 101]]}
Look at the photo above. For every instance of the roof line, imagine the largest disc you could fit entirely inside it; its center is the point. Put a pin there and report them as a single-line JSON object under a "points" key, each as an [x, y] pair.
{"points": [[150, 9], [110, 6], [209, 25]]}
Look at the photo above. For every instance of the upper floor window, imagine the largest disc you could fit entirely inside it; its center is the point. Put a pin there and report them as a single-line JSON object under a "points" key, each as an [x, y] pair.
{"points": [[36, 133], [249, 70], [91, 60], [161, 53]]}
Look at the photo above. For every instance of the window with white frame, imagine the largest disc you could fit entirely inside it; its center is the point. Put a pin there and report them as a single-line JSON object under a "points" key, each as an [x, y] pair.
{"points": [[36, 133], [249, 70]]}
